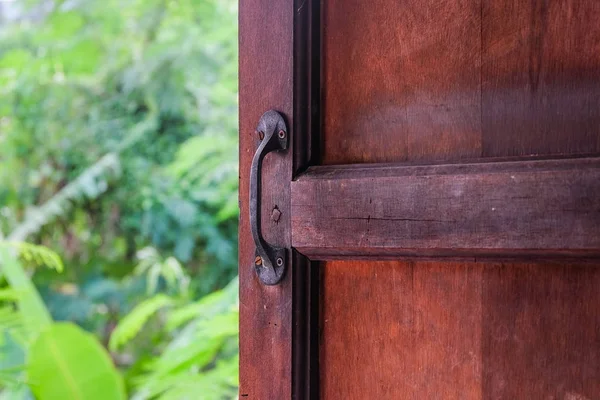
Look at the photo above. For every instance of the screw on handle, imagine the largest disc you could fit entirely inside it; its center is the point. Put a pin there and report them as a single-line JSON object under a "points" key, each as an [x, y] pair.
{"points": [[269, 261]]}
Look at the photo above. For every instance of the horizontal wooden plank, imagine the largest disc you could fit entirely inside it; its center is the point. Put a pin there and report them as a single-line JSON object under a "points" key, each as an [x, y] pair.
{"points": [[525, 209]]}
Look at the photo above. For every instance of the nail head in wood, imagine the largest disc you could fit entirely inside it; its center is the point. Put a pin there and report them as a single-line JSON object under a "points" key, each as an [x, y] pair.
{"points": [[275, 215]]}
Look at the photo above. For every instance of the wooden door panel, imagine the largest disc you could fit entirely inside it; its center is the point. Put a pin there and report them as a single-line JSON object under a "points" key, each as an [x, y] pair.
{"points": [[447, 81], [398, 330], [401, 80], [540, 77], [541, 331], [490, 112], [455, 79], [430, 330]]}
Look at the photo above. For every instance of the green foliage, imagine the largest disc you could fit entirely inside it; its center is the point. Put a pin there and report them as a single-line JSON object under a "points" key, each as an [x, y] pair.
{"points": [[90, 184], [155, 268], [32, 311], [36, 255], [201, 357], [118, 125], [132, 323], [50, 360], [68, 363], [118, 150]]}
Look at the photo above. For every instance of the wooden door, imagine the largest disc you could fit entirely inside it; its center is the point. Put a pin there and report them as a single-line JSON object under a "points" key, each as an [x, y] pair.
{"points": [[439, 199]]}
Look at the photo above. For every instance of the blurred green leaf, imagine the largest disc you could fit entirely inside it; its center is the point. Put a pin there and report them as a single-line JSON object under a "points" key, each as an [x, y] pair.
{"points": [[68, 363], [33, 312]]}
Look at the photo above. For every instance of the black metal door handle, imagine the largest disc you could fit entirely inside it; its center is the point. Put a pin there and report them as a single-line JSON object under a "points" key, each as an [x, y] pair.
{"points": [[270, 261]]}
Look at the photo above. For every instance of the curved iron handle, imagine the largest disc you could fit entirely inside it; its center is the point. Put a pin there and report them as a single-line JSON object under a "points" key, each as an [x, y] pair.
{"points": [[270, 261]]}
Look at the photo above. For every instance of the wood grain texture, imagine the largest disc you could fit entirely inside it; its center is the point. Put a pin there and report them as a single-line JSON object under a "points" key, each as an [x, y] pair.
{"points": [[454, 79], [540, 77], [510, 209], [413, 81], [408, 81], [401, 80], [266, 73], [430, 330]]}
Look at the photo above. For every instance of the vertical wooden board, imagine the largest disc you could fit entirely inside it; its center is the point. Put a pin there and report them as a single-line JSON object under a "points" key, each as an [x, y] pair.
{"points": [[541, 77], [447, 304], [396, 330], [427, 330], [446, 80], [366, 334], [541, 331], [266, 71], [401, 80]]}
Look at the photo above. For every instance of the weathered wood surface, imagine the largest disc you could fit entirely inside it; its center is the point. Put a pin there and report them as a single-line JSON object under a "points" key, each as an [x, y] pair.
{"points": [[540, 77], [446, 81], [265, 311], [431, 330], [401, 80], [452, 79], [523, 208], [427, 81]]}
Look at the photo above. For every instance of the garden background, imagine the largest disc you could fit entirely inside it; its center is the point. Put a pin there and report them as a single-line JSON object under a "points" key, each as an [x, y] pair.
{"points": [[118, 199]]}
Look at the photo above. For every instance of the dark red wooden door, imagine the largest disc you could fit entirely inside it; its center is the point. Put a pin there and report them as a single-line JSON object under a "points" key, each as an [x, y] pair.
{"points": [[440, 199]]}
